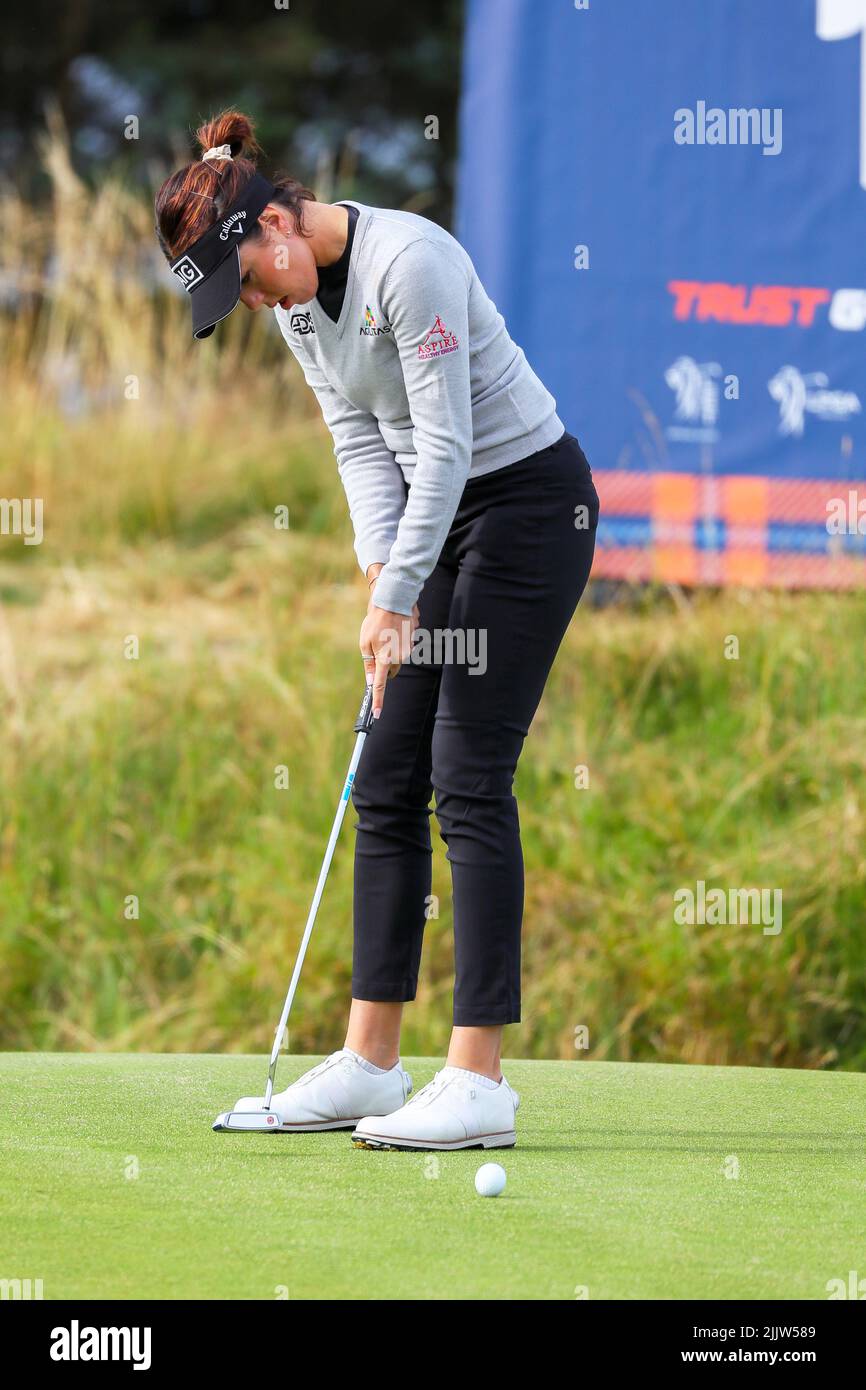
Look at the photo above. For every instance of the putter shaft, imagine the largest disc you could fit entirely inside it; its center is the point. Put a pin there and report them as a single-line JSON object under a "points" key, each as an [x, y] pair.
{"points": [[363, 724]]}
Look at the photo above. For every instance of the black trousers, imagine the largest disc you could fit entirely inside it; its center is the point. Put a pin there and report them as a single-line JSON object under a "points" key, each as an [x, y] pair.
{"points": [[509, 577]]}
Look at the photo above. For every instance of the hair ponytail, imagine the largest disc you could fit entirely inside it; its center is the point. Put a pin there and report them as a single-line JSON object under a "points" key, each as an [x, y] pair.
{"points": [[231, 128], [193, 199]]}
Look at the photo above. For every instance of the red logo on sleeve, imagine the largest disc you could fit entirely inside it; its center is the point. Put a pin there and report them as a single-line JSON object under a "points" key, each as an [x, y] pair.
{"points": [[438, 341]]}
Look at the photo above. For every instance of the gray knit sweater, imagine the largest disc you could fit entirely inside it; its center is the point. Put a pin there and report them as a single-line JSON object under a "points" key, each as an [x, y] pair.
{"points": [[417, 380]]}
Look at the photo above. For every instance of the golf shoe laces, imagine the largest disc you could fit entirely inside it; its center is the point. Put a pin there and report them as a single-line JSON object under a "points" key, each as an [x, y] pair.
{"points": [[332, 1061], [435, 1087]]}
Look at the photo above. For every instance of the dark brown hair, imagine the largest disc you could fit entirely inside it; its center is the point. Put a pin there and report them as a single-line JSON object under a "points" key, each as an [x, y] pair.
{"points": [[196, 196]]}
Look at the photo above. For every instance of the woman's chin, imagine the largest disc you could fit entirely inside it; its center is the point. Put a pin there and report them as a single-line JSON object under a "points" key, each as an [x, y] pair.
{"points": [[303, 296]]}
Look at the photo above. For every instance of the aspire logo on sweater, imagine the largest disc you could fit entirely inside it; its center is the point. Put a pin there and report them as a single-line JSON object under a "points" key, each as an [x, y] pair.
{"points": [[438, 341], [370, 328]]}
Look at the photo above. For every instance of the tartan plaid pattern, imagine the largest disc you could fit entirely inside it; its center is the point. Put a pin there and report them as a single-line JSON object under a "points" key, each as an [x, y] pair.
{"points": [[690, 529]]}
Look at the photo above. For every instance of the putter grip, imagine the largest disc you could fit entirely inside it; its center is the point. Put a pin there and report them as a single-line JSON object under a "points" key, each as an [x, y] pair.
{"points": [[364, 722]]}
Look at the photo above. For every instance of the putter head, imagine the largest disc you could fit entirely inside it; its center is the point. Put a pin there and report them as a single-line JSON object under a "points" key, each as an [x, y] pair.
{"points": [[249, 1120]]}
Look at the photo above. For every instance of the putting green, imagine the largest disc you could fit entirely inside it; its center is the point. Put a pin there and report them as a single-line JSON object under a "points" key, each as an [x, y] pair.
{"points": [[114, 1186]]}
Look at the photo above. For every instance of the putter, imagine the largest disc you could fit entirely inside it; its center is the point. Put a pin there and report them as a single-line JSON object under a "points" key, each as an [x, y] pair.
{"points": [[267, 1119]]}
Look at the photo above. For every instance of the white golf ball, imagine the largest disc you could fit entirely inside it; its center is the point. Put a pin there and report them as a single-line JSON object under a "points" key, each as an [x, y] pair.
{"points": [[490, 1180]]}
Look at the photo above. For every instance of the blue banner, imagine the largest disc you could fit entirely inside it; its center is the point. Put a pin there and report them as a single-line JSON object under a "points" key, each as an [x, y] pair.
{"points": [[667, 202]]}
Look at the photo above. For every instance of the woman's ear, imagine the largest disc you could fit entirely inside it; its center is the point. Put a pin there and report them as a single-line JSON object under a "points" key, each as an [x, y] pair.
{"points": [[276, 219]]}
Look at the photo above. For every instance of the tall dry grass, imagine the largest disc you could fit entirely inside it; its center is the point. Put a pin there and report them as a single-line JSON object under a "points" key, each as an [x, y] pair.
{"points": [[160, 464]]}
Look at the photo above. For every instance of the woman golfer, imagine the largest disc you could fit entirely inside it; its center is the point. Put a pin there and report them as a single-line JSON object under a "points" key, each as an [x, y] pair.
{"points": [[474, 513]]}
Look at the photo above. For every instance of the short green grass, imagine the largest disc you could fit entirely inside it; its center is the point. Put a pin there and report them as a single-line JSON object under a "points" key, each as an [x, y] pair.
{"points": [[621, 1184]]}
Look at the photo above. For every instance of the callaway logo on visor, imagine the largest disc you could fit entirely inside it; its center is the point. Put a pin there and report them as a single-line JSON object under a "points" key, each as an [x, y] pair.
{"points": [[210, 270]]}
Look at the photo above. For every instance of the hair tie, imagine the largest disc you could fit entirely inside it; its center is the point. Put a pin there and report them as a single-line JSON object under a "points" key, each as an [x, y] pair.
{"points": [[218, 152]]}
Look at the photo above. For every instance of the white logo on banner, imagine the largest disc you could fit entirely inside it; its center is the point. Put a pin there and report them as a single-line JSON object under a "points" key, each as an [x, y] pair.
{"points": [[696, 388], [842, 19], [848, 310], [798, 396]]}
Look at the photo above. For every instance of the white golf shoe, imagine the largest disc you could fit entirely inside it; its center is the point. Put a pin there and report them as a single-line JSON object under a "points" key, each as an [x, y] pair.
{"points": [[334, 1094], [456, 1110]]}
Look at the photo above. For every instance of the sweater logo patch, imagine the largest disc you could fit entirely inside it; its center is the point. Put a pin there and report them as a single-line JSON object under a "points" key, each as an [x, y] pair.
{"points": [[438, 342], [302, 323], [370, 328]]}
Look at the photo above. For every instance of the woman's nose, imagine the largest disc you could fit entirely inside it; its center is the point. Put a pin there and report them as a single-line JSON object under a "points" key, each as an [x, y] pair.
{"points": [[252, 298]]}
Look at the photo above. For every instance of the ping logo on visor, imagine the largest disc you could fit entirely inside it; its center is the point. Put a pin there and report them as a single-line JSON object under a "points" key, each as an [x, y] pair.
{"points": [[187, 272], [210, 269]]}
